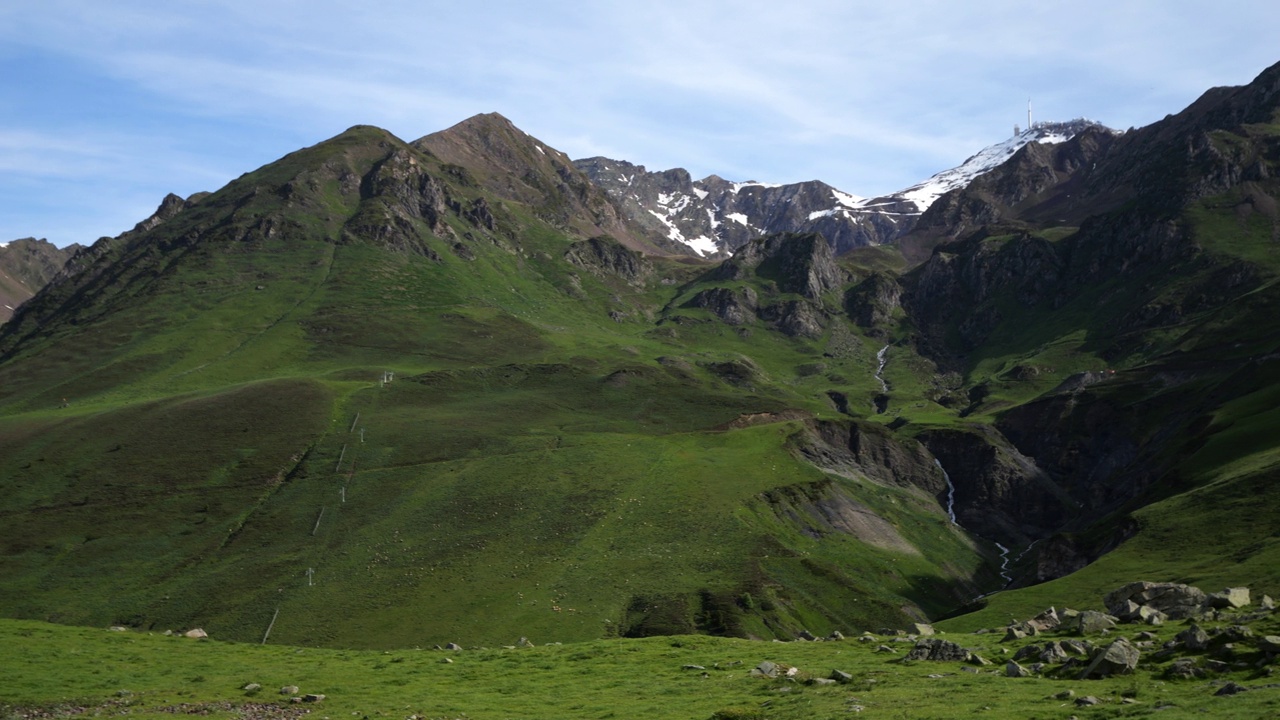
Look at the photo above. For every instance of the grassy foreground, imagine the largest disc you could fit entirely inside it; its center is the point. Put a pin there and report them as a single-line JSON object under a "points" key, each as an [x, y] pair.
{"points": [[52, 670]]}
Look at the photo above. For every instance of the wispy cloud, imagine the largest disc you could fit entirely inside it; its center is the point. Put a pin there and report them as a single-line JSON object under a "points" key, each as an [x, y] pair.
{"points": [[870, 96]]}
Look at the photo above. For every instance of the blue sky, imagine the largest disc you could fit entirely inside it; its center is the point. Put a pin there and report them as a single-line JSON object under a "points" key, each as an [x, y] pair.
{"points": [[108, 106]]}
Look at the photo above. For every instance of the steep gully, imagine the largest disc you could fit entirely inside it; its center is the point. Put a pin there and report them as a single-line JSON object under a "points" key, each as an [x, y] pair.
{"points": [[882, 359]]}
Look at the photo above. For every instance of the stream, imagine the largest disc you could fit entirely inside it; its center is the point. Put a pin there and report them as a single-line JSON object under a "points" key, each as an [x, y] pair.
{"points": [[882, 358]]}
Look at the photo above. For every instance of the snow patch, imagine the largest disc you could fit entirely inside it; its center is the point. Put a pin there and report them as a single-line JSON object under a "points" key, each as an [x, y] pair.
{"points": [[821, 214], [711, 218], [702, 194], [847, 200], [752, 183], [544, 152], [738, 218], [703, 245]]}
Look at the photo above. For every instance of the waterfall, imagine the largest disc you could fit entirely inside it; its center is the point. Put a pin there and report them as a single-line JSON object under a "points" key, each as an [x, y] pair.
{"points": [[882, 358], [951, 490]]}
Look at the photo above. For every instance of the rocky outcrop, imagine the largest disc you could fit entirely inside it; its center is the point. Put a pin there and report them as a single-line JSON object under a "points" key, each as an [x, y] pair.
{"points": [[734, 306], [824, 508], [795, 263], [605, 257], [872, 303], [871, 451], [1176, 601]]}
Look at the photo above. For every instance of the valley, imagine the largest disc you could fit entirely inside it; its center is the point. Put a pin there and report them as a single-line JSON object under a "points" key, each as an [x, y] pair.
{"points": [[381, 395]]}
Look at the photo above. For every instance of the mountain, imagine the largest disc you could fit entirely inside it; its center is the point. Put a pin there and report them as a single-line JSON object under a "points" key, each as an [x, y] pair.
{"points": [[25, 266], [384, 394], [405, 399], [714, 216]]}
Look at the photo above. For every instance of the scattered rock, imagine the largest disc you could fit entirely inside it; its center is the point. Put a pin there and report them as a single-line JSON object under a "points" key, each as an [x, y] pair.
{"points": [[765, 669], [835, 635], [692, 667], [1266, 603], [312, 697], [939, 650], [118, 628], [1232, 597], [252, 687], [1118, 658], [1065, 695], [1013, 669], [841, 676], [1047, 620], [1184, 669], [524, 643], [196, 633], [1175, 600], [1231, 688], [922, 629], [885, 649], [1091, 622], [1269, 644], [821, 681], [1194, 639], [453, 646], [289, 690], [1086, 701], [446, 661]]}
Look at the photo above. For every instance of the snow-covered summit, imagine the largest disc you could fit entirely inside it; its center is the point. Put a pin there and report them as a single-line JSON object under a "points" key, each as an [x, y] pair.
{"points": [[714, 216], [924, 194]]}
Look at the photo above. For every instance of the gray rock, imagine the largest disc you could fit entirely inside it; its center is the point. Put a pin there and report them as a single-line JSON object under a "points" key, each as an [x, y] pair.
{"points": [[1175, 600], [835, 635], [1090, 622], [453, 646], [939, 650], [1184, 669], [692, 667], [821, 681], [1086, 701], [841, 676], [1013, 633], [312, 697], [118, 628], [1232, 597], [1269, 644], [289, 690], [885, 649], [1231, 688], [252, 687], [806, 635], [196, 633], [1194, 639], [524, 643], [1118, 658], [1065, 695], [1013, 669], [1047, 620], [765, 669], [922, 629]]}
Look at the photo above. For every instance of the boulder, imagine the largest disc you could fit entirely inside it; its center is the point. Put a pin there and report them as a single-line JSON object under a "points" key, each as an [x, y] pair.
{"points": [[252, 687], [1194, 639], [453, 646], [921, 629], [1269, 644], [289, 690], [1184, 669], [1090, 622], [939, 650], [1266, 603], [841, 676], [1047, 620], [1118, 658], [1013, 669], [1175, 600], [312, 697], [1231, 688], [765, 669], [1232, 597], [835, 635], [196, 633]]}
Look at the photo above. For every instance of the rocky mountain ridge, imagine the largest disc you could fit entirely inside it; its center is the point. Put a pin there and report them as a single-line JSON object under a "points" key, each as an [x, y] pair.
{"points": [[714, 216]]}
